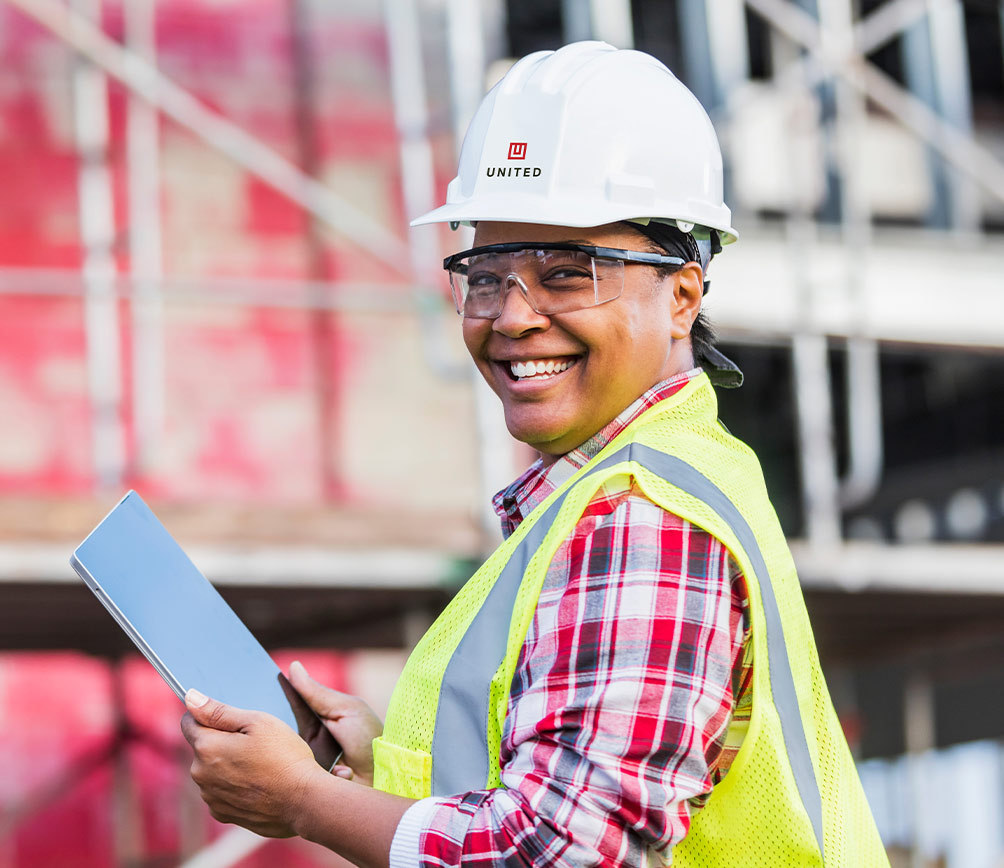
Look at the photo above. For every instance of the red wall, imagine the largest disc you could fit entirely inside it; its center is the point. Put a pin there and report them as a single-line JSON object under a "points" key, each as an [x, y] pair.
{"points": [[253, 395], [58, 727], [246, 416]]}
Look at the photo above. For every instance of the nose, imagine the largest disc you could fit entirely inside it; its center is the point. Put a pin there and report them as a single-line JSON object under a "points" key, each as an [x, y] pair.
{"points": [[517, 316]]}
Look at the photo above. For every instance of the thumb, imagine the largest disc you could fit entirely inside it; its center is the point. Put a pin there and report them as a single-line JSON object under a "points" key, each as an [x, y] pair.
{"points": [[216, 715], [325, 701]]}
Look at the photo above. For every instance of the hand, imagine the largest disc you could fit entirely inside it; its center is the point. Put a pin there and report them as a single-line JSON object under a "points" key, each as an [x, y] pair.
{"points": [[350, 720], [251, 768]]}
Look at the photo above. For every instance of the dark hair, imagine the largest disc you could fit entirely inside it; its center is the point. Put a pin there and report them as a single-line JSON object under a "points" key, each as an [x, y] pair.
{"points": [[663, 238]]}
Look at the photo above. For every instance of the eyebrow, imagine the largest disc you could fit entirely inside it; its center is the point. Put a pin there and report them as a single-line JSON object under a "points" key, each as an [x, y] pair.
{"points": [[563, 241]]}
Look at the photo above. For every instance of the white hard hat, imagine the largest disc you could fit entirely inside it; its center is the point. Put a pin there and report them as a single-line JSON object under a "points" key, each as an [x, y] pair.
{"points": [[588, 135]]}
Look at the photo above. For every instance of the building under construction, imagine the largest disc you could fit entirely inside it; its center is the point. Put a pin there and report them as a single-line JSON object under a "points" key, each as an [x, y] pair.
{"points": [[209, 293]]}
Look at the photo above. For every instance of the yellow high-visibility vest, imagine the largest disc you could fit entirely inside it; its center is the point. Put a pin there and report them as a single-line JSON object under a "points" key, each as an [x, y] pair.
{"points": [[792, 796]]}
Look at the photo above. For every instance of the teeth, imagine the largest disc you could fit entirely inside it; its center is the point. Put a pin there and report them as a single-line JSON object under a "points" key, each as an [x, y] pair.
{"points": [[538, 368]]}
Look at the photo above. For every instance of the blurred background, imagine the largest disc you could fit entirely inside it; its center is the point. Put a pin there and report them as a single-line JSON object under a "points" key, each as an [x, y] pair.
{"points": [[209, 293]]}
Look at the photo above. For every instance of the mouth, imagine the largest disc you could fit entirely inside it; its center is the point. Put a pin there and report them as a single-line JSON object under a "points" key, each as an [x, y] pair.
{"points": [[538, 370]]}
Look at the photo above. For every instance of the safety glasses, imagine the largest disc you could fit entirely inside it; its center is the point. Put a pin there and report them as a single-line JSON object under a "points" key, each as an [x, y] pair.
{"points": [[553, 278]]}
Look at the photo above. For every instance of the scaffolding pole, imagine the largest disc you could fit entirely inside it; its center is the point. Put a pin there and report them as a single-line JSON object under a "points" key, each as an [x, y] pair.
{"points": [[97, 235], [323, 325], [147, 82], [864, 388], [145, 247], [939, 43], [971, 158], [411, 114], [496, 449]]}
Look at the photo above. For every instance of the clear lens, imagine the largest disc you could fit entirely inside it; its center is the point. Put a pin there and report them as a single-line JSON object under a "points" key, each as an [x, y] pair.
{"points": [[552, 281]]}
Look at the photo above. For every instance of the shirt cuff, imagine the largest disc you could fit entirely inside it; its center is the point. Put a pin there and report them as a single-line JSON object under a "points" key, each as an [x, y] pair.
{"points": [[404, 852]]}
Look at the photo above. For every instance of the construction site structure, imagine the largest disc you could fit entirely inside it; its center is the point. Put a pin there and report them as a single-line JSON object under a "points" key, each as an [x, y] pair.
{"points": [[209, 293]]}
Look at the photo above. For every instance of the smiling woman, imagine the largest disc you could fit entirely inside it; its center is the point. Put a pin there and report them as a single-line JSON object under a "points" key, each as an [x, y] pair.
{"points": [[630, 678], [609, 353]]}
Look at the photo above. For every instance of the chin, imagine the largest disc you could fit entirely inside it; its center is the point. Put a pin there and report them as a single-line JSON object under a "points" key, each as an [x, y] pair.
{"points": [[546, 443], [535, 433]]}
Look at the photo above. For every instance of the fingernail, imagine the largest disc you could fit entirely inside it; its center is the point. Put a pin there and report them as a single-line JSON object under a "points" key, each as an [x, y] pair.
{"points": [[195, 698], [297, 664]]}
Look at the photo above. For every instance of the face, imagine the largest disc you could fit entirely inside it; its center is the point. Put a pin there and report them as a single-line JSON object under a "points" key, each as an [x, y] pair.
{"points": [[605, 356]]}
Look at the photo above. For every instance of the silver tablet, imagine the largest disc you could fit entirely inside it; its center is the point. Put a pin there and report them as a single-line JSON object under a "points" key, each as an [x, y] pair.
{"points": [[181, 623]]}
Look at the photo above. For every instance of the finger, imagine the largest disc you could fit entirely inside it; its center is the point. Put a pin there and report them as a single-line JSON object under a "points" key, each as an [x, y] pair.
{"points": [[342, 772], [189, 727], [216, 715], [326, 701]]}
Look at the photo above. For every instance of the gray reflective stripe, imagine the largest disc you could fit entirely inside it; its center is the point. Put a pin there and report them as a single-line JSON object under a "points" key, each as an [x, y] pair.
{"points": [[462, 717], [459, 752], [782, 682]]}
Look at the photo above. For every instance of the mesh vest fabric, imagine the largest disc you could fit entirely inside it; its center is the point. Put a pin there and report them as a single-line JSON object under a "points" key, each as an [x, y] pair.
{"points": [[763, 812]]}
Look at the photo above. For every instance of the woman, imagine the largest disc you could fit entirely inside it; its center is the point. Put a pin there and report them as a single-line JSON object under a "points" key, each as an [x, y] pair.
{"points": [[631, 677]]}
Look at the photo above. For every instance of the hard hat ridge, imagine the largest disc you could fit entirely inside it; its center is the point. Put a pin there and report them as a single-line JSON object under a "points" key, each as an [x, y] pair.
{"points": [[520, 73]]}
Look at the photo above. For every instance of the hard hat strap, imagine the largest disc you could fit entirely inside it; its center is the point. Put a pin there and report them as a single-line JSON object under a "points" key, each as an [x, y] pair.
{"points": [[690, 246]]}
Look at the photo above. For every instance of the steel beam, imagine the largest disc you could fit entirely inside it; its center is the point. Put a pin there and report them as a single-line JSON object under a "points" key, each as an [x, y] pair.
{"points": [[290, 566], [344, 296], [855, 565], [895, 300], [924, 568], [900, 297], [888, 21]]}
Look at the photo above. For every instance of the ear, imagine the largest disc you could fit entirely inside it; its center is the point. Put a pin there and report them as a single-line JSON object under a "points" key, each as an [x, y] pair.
{"points": [[688, 292]]}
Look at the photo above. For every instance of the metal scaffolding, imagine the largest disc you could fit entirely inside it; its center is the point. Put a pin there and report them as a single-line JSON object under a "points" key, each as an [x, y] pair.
{"points": [[822, 44]]}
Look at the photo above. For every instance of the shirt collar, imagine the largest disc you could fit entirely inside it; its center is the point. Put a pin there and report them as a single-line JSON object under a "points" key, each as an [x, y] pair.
{"points": [[518, 500]]}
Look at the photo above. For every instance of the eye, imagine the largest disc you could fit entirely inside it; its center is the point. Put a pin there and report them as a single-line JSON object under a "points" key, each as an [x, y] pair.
{"points": [[567, 272], [481, 280], [567, 277], [485, 272]]}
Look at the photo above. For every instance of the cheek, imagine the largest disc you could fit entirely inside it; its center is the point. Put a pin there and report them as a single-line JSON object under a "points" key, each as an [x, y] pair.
{"points": [[475, 333], [642, 340]]}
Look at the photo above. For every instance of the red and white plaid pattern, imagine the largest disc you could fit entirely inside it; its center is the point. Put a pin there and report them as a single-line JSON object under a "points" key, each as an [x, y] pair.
{"points": [[623, 694]]}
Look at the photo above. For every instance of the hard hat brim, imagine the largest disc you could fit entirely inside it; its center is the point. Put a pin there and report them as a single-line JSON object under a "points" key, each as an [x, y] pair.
{"points": [[517, 209]]}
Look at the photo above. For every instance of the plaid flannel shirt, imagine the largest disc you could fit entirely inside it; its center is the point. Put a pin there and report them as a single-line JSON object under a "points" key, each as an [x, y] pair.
{"points": [[631, 693]]}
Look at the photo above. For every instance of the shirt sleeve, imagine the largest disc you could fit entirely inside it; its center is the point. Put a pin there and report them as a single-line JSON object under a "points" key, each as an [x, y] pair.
{"points": [[619, 706], [404, 851]]}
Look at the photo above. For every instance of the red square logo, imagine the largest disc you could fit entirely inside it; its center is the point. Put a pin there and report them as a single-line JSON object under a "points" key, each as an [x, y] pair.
{"points": [[517, 150]]}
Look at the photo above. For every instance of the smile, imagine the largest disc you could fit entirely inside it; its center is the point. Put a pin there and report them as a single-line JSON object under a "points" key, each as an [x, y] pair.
{"points": [[539, 369]]}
